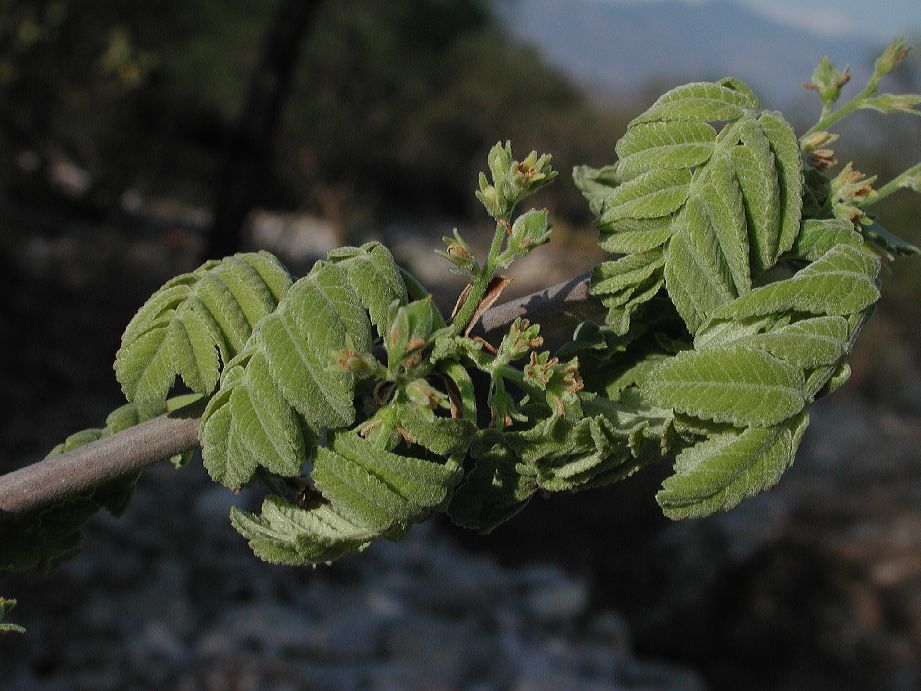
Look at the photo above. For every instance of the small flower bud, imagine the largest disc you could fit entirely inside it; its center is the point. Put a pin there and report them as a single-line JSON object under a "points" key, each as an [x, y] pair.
{"points": [[818, 140], [828, 81], [894, 53]]}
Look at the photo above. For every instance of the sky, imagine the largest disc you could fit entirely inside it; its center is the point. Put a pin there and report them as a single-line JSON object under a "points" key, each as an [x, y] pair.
{"points": [[881, 19]]}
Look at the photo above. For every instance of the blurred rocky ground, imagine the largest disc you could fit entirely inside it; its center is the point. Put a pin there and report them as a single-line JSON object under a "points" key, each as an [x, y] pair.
{"points": [[816, 584]]}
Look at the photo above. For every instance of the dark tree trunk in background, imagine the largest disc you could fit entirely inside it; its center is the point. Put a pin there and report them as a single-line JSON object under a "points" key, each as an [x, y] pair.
{"points": [[248, 152]]}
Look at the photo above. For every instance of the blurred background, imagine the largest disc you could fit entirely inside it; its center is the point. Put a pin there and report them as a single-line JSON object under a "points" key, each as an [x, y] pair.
{"points": [[136, 139]]}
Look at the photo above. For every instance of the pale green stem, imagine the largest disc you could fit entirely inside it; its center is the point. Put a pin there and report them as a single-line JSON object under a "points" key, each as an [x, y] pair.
{"points": [[516, 376], [893, 185], [481, 283], [830, 118]]}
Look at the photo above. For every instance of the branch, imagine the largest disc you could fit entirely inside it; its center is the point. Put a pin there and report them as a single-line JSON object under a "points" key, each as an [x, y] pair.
{"points": [[64, 476], [556, 307]]}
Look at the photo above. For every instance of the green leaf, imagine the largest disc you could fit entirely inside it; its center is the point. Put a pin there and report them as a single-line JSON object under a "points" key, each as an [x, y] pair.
{"points": [[650, 195], [280, 394], [697, 278], [611, 277], [743, 88], [840, 282], [719, 193], [443, 436], [368, 492], [669, 145], [194, 322], [699, 101], [808, 343], [818, 236], [595, 184], [718, 473], [610, 443], [625, 284], [635, 235], [375, 278], [743, 386], [750, 151], [496, 489], [284, 533], [789, 163], [377, 488]]}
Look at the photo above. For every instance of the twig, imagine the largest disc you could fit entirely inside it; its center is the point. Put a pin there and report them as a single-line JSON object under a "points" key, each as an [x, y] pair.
{"points": [[559, 306], [64, 476]]}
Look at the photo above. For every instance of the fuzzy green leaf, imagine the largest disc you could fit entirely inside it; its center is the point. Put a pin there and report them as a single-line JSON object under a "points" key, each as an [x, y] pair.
{"points": [[808, 343], [750, 151], [635, 235], [377, 488], [595, 184], [721, 196], [840, 282], [743, 386], [625, 284], [669, 145], [496, 489], [650, 195], [281, 393], [818, 236], [789, 163], [284, 533], [697, 278], [194, 322], [699, 101], [718, 473], [367, 492]]}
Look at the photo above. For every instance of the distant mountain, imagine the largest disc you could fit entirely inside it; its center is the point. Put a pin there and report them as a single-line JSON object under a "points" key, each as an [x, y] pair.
{"points": [[617, 48]]}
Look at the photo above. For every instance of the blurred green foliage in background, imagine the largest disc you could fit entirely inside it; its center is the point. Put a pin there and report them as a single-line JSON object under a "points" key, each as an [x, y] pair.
{"points": [[391, 106]]}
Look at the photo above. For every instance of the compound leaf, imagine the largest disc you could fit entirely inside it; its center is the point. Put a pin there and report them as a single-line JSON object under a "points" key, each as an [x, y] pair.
{"points": [[280, 394], [194, 322]]}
